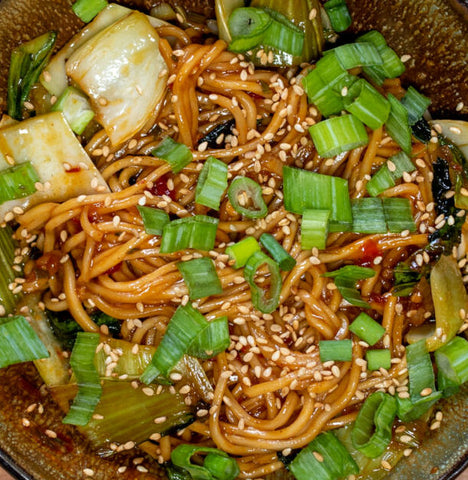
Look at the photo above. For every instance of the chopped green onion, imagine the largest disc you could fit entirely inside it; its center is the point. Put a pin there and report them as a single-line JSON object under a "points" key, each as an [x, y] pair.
{"points": [[212, 340], [197, 232], [397, 124], [177, 155], [7, 275], [217, 464], [338, 134], [314, 229], [265, 300], [200, 277], [372, 431], [241, 251], [352, 55], [89, 385], [86, 10], [279, 254], [304, 190], [368, 215], [367, 329], [367, 104], [336, 350], [452, 363], [249, 23], [416, 104], [18, 182], [331, 71], [212, 183], [422, 389], [345, 281], [392, 170], [75, 108], [26, 64], [154, 219], [339, 15], [246, 198], [19, 342], [326, 457], [377, 359], [398, 214]]}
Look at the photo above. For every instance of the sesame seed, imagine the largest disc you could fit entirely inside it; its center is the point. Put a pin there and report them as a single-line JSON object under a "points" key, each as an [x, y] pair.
{"points": [[318, 456], [385, 465], [405, 58], [50, 433], [425, 392], [459, 106], [25, 422], [88, 472]]}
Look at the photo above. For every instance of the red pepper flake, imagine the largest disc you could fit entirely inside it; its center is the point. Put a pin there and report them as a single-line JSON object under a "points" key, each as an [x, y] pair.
{"points": [[369, 252], [114, 269], [160, 187], [74, 169], [50, 262]]}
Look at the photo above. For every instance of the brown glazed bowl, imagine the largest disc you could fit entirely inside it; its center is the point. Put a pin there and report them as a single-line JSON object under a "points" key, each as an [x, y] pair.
{"points": [[435, 34]]}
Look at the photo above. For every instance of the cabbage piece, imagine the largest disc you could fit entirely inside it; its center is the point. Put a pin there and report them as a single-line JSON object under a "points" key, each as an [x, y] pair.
{"points": [[54, 77], [56, 154], [123, 73], [456, 131]]}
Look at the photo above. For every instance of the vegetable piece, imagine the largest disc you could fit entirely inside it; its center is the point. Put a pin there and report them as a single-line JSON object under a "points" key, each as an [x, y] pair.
{"points": [[216, 465], [367, 329], [392, 170], [247, 27], [398, 214], [197, 232], [127, 414], [89, 386], [19, 342], [397, 124], [456, 131], [246, 198], [265, 300], [305, 190], [345, 281], [452, 365], [357, 54], [7, 275], [26, 64], [314, 229], [416, 104], [212, 340], [339, 15], [338, 134], [223, 11], [177, 155], [368, 215], [86, 10], [326, 457], [47, 142], [212, 183], [75, 108], [336, 350], [367, 104], [18, 181], [241, 251], [372, 429], [279, 254], [377, 359], [200, 277], [123, 73], [154, 219]]}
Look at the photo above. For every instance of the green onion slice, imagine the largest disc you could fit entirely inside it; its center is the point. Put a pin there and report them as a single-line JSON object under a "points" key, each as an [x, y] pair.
{"points": [[19, 342], [266, 300], [368, 215], [279, 254], [416, 104], [336, 350], [339, 15], [314, 229], [86, 10], [200, 277], [18, 181], [358, 54], [212, 340], [7, 275], [212, 183], [154, 219], [372, 429], [397, 124], [398, 214], [249, 22], [338, 134], [335, 462], [367, 329], [89, 385], [452, 360], [26, 64], [246, 198], [241, 251], [377, 359], [216, 465], [177, 155], [197, 232]]}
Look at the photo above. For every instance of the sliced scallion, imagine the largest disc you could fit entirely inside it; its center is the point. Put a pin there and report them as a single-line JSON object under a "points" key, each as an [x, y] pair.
{"points": [[367, 329], [87, 377], [212, 183], [416, 104], [368, 215], [86, 10], [279, 254], [398, 214], [452, 362], [377, 359], [397, 124], [357, 54], [338, 134], [154, 219], [314, 229], [241, 251], [200, 277], [18, 181], [8, 299], [249, 22], [339, 15], [246, 198], [336, 350], [266, 300], [177, 155], [212, 340]]}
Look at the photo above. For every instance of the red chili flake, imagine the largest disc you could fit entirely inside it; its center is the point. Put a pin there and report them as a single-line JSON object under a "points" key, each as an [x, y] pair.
{"points": [[75, 169], [160, 187], [369, 252], [50, 262], [377, 298], [114, 269], [254, 95]]}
